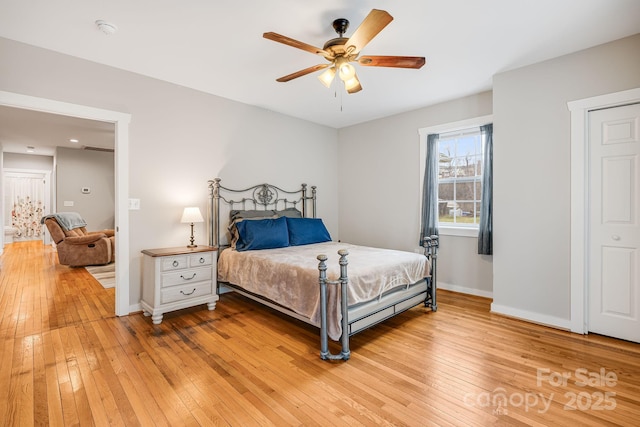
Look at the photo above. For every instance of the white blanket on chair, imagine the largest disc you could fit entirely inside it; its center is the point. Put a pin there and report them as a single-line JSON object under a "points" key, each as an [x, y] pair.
{"points": [[67, 220]]}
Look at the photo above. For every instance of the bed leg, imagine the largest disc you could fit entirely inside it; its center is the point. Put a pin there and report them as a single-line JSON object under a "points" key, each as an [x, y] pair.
{"points": [[345, 353]]}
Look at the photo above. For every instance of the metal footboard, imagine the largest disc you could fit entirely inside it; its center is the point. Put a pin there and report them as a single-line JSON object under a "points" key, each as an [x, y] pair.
{"points": [[430, 245]]}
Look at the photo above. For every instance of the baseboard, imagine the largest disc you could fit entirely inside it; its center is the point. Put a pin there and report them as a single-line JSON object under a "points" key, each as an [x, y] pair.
{"points": [[135, 308], [464, 290], [530, 316]]}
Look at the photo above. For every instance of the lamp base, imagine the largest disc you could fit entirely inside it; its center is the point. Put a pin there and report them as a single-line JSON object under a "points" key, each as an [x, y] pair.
{"points": [[192, 240]]}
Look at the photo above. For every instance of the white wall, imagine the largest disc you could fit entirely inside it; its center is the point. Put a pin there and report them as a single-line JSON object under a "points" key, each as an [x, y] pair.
{"points": [[27, 161], [178, 139], [531, 260], [379, 171]]}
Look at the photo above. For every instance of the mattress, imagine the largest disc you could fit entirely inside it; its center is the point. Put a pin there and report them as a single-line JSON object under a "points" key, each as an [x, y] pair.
{"points": [[289, 276]]}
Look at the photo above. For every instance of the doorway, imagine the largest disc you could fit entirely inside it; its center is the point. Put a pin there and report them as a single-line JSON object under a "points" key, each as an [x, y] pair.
{"points": [[121, 121], [27, 197], [581, 209]]}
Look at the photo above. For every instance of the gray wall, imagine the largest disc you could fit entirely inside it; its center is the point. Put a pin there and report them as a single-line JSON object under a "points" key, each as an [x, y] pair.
{"points": [[379, 170], [531, 261], [76, 169], [178, 139]]}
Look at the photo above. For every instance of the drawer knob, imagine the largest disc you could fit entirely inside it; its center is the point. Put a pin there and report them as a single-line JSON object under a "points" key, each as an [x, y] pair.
{"points": [[201, 260], [188, 278], [184, 293], [175, 263]]}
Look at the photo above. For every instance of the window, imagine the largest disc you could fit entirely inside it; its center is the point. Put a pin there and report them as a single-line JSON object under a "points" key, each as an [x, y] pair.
{"points": [[460, 177], [456, 179]]}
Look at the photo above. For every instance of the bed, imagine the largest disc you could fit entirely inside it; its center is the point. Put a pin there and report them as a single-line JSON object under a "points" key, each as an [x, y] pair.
{"points": [[273, 249]]}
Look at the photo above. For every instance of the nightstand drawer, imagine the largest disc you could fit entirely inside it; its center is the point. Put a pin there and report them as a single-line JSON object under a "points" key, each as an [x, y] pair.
{"points": [[183, 277], [179, 293], [205, 258], [174, 263]]}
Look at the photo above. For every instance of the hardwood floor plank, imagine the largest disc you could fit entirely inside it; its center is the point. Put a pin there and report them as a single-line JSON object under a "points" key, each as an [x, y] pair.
{"points": [[53, 403], [40, 410], [65, 359]]}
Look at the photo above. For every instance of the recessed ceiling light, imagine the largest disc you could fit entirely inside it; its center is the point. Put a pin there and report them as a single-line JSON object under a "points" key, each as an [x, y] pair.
{"points": [[73, 140], [31, 149], [106, 27]]}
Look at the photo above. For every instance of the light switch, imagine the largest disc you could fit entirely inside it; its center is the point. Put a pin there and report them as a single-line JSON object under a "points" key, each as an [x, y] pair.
{"points": [[134, 204]]}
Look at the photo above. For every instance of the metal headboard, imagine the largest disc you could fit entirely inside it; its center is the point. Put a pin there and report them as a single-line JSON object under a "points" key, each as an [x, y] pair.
{"points": [[258, 197]]}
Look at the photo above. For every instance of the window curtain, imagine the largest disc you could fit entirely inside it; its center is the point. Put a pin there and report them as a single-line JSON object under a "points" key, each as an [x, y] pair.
{"points": [[430, 190], [24, 202], [485, 234]]}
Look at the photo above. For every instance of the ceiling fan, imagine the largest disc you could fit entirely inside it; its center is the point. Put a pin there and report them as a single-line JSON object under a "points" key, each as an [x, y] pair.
{"points": [[341, 51]]}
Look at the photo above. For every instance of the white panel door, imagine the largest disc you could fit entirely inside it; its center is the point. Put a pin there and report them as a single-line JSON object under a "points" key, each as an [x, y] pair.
{"points": [[614, 229]]}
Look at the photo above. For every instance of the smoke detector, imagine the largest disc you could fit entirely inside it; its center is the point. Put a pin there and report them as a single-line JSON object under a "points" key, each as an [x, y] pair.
{"points": [[106, 27]]}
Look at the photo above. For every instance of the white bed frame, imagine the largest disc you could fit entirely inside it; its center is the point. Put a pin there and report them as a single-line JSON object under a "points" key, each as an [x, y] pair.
{"points": [[355, 318]]}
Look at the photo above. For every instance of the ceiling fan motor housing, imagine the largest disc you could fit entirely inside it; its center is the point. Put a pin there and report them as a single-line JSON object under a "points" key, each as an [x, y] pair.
{"points": [[341, 25]]}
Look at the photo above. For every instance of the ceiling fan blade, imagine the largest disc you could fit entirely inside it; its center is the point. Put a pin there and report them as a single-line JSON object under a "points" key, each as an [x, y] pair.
{"points": [[294, 43], [375, 21], [392, 61], [302, 72]]}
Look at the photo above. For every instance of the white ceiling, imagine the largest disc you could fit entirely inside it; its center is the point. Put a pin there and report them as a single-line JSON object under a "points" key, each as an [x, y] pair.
{"points": [[217, 46]]}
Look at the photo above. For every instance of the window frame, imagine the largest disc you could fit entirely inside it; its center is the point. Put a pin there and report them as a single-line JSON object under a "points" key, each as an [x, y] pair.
{"points": [[452, 229], [455, 180]]}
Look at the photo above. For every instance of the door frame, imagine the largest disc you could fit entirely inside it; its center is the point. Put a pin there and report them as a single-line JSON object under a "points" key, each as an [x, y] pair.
{"points": [[121, 122], [580, 171]]}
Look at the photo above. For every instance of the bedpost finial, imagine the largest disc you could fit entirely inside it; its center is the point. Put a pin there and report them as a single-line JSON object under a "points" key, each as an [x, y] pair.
{"points": [[322, 266]]}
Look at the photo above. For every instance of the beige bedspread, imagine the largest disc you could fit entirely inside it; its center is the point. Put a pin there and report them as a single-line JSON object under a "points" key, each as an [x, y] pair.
{"points": [[289, 276]]}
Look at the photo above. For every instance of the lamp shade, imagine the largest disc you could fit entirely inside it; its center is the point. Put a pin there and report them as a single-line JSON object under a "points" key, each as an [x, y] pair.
{"points": [[191, 215]]}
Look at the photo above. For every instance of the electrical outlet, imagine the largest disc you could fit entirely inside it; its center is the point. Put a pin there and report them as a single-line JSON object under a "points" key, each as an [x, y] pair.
{"points": [[68, 203]]}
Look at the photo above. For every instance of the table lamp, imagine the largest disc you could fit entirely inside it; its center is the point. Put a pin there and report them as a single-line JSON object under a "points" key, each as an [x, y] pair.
{"points": [[191, 215]]}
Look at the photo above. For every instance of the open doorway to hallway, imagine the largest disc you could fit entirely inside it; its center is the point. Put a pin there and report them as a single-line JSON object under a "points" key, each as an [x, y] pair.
{"points": [[120, 123]]}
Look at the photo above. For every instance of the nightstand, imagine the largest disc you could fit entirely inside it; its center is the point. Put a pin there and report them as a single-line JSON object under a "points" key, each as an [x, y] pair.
{"points": [[176, 278]]}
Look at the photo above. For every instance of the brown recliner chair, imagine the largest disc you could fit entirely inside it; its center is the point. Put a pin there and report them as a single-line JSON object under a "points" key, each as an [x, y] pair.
{"points": [[77, 247]]}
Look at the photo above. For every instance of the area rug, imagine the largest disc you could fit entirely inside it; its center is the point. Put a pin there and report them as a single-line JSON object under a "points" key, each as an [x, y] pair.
{"points": [[105, 274]]}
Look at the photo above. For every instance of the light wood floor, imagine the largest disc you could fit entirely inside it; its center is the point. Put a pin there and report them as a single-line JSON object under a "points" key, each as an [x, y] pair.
{"points": [[65, 359]]}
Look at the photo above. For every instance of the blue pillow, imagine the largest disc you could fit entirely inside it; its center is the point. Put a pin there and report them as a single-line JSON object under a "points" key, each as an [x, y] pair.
{"points": [[304, 231], [262, 234]]}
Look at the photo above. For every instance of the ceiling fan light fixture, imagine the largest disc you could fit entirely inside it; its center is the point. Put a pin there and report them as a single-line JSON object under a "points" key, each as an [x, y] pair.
{"points": [[347, 71], [353, 85], [327, 76]]}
